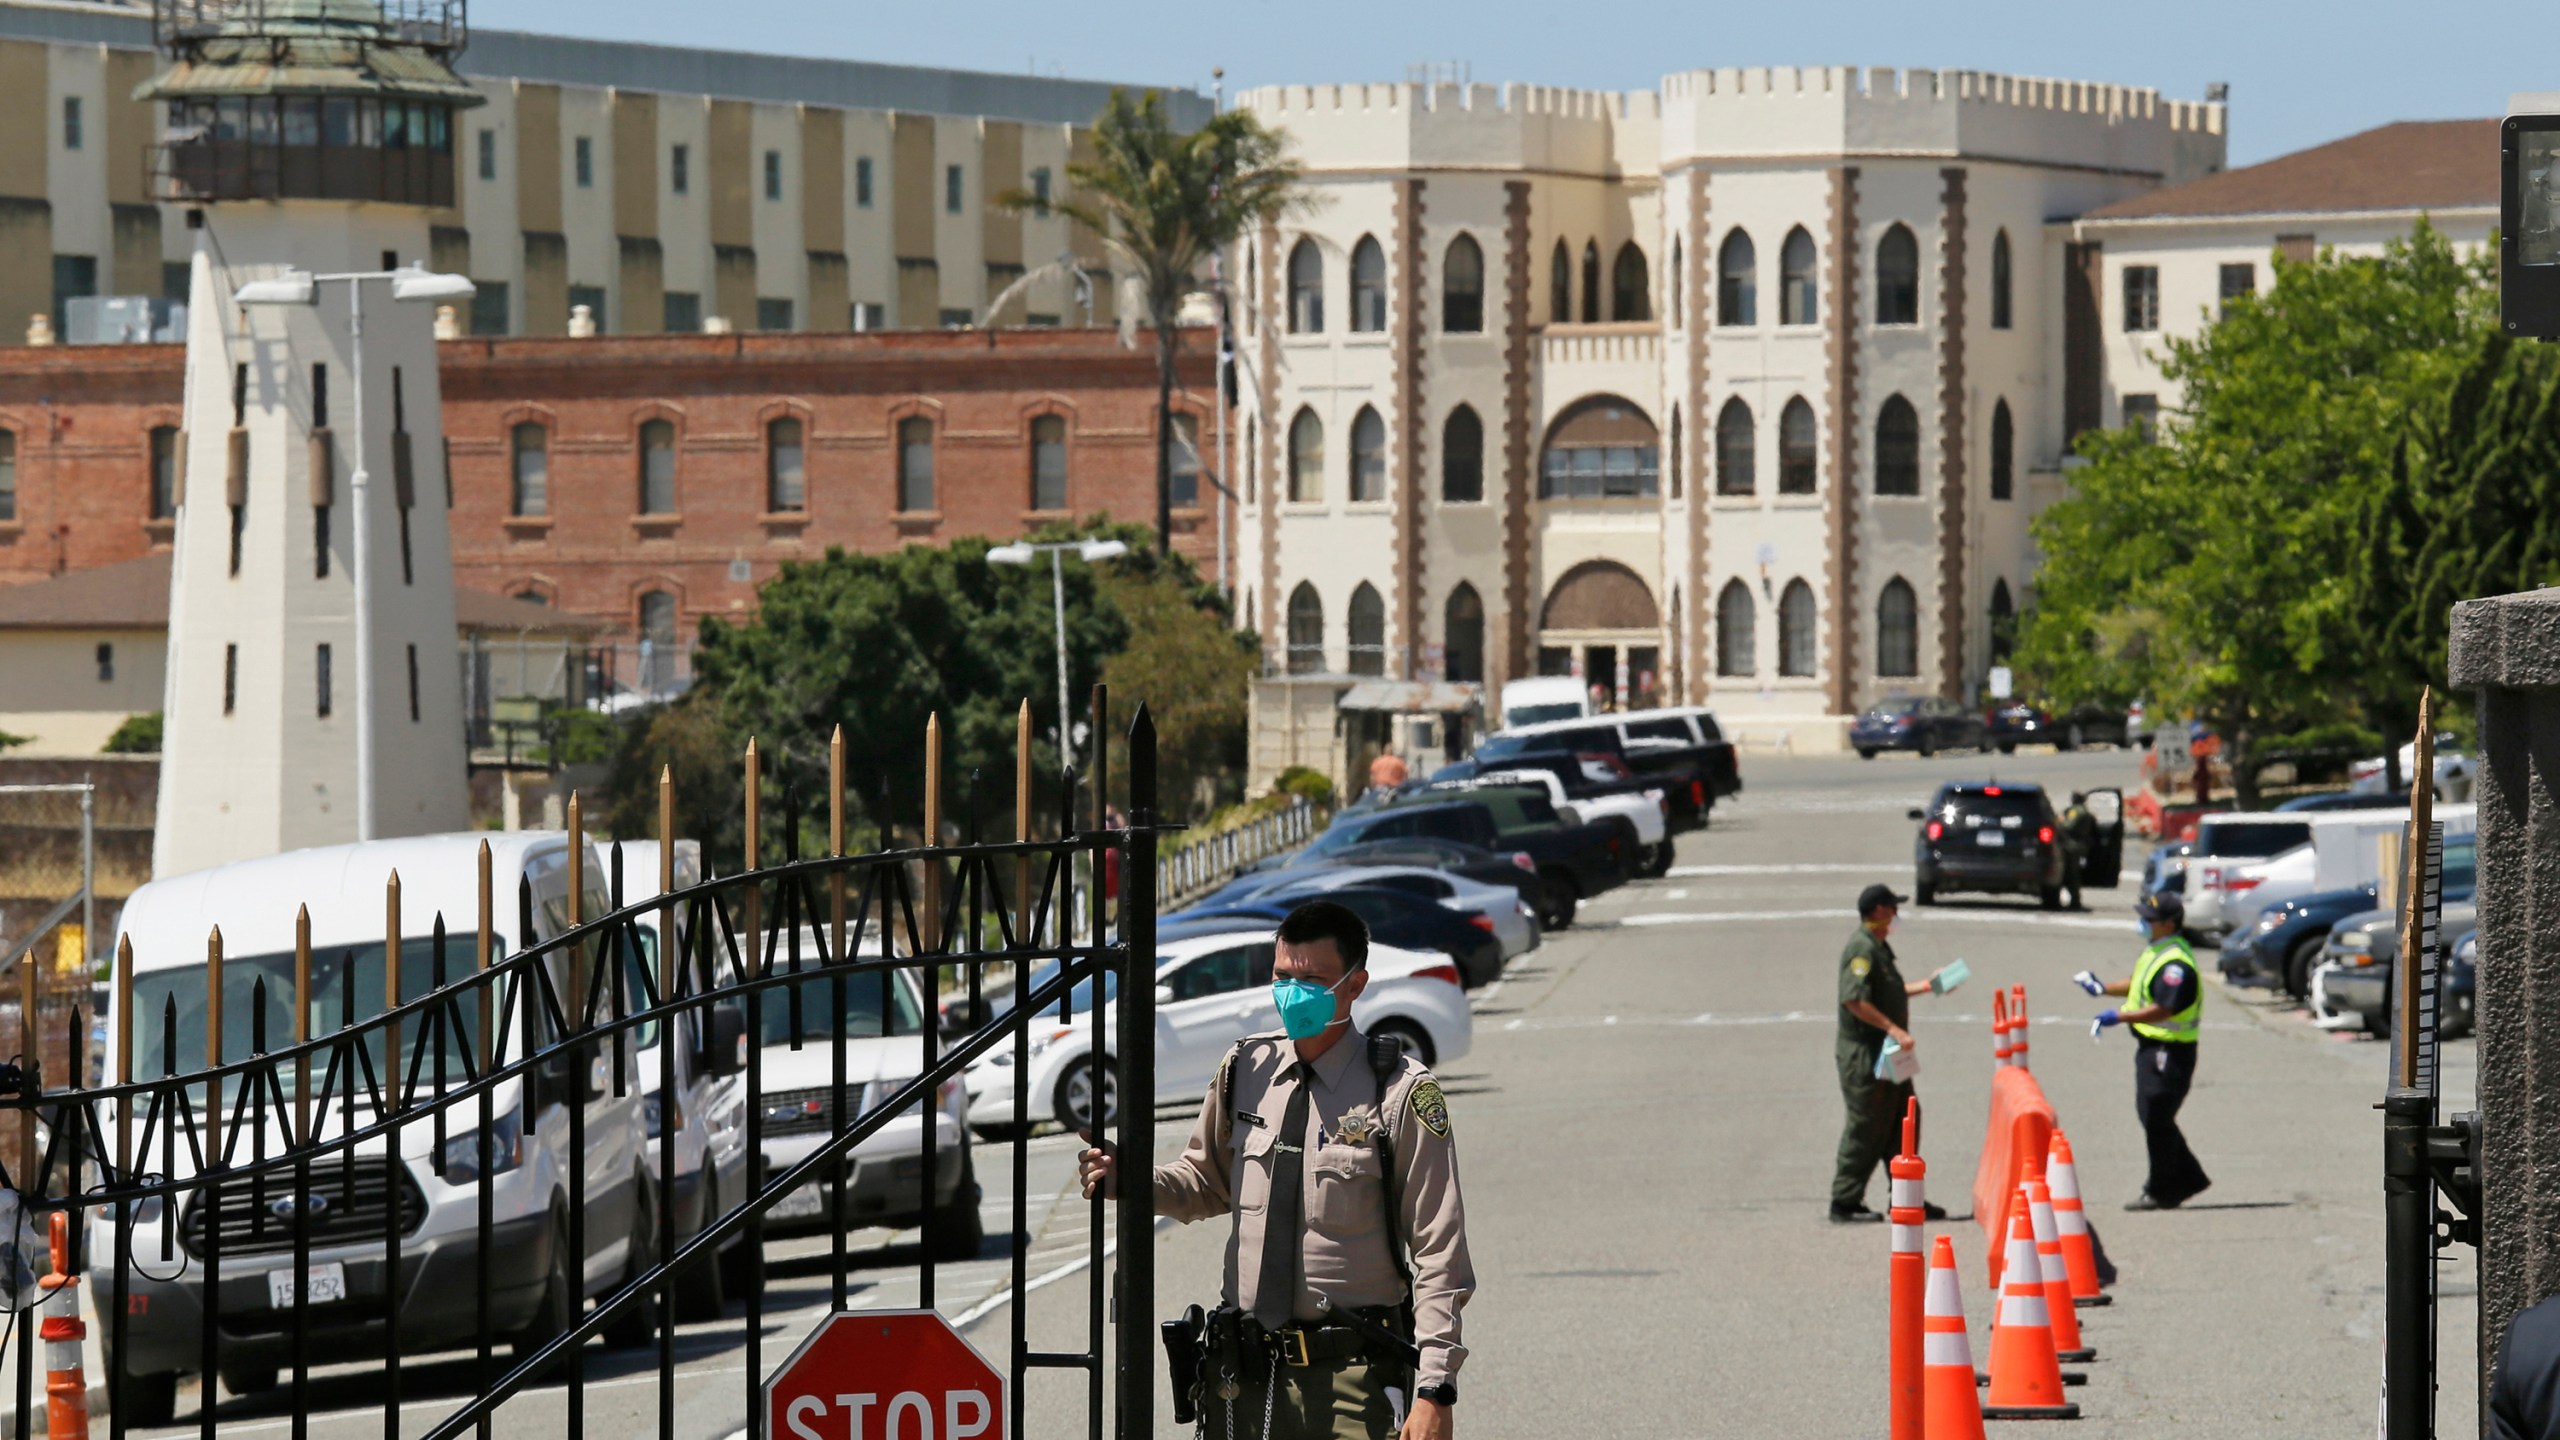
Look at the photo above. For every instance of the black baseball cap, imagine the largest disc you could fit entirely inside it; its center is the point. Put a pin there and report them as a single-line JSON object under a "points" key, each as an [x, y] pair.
{"points": [[2161, 905], [1875, 897]]}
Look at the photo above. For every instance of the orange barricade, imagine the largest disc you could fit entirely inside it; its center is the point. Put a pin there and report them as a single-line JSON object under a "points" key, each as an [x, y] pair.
{"points": [[2013, 1149]]}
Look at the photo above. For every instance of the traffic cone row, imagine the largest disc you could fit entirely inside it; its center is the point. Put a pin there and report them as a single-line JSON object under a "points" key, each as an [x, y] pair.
{"points": [[2000, 1054], [2079, 1252], [2026, 1371], [2018, 1026]]}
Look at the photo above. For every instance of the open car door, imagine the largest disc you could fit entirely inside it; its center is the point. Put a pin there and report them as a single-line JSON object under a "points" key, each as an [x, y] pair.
{"points": [[2101, 866]]}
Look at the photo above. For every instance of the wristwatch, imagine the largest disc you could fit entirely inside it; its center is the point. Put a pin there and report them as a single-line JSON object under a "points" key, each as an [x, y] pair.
{"points": [[1444, 1393]]}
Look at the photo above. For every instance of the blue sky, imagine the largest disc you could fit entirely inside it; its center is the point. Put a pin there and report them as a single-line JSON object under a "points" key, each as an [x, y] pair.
{"points": [[2300, 73]]}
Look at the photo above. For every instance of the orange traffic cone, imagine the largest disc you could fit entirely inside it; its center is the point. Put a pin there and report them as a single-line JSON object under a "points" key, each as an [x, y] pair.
{"points": [[1905, 1348], [2079, 1252], [2064, 1316], [2000, 1028], [2018, 1026], [2026, 1379], [1954, 1411]]}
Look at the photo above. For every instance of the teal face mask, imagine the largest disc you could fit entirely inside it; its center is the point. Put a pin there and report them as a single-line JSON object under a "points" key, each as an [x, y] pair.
{"points": [[1306, 1008]]}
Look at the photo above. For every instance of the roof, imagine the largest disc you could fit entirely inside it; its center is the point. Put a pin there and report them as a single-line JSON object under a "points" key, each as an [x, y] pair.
{"points": [[134, 595], [2407, 165], [1412, 696]]}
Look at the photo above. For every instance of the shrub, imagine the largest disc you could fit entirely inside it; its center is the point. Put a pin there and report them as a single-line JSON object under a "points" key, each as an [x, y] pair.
{"points": [[138, 735], [1306, 784]]}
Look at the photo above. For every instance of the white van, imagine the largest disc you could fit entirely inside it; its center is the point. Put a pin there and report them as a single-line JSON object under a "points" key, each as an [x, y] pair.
{"points": [[1542, 699], [536, 1288]]}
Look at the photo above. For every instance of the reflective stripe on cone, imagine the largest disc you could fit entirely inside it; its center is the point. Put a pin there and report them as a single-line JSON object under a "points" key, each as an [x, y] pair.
{"points": [[2064, 1317]]}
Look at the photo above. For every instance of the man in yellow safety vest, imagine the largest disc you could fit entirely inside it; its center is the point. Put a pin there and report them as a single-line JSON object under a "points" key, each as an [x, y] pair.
{"points": [[2164, 1001]]}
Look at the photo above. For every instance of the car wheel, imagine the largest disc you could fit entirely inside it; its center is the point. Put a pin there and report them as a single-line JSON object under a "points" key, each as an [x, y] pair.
{"points": [[2051, 895], [249, 1379], [1924, 893], [637, 1325], [1866, 752], [558, 1308], [1983, 746], [1655, 861], [702, 1292], [742, 1267], [2379, 1023], [144, 1399], [2008, 747], [1926, 749], [2073, 738], [958, 1229], [2298, 966], [1408, 1037], [1072, 1104], [1561, 902]]}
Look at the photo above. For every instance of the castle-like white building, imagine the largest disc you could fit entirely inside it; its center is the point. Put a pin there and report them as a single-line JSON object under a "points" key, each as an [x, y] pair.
{"points": [[1744, 388]]}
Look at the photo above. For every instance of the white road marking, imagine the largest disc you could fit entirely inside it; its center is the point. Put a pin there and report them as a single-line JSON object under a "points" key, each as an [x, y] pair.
{"points": [[1693, 872], [1991, 917], [998, 1300]]}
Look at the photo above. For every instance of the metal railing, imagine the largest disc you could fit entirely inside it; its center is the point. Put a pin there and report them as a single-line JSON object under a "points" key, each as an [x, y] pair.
{"points": [[1212, 860]]}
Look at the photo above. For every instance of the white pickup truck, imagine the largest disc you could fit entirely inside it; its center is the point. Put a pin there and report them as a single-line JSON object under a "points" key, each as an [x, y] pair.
{"points": [[1644, 809]]}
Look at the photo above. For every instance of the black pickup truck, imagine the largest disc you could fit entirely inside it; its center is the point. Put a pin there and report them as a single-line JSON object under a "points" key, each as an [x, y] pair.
{"points": [[1681, 750], [1574, 862]]}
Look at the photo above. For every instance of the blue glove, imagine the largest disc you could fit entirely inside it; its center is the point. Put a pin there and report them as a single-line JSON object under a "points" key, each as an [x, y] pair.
{"points": [[2105, 1018], [2088, 980]]}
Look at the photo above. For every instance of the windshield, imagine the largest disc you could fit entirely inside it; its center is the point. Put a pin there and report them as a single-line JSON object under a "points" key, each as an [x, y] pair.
{"points": [[1894, 707], [2252, 841], [333, 968], [2461, 867], [1519, 715], [2013, 806], [866, 999]]}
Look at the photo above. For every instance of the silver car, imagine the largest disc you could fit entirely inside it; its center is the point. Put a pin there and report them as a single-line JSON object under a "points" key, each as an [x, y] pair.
{"points": [[1515, 926]]}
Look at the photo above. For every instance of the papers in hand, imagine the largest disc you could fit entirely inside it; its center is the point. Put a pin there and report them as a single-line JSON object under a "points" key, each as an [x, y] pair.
{"points": [[1897, 1065], [1956, 973]]}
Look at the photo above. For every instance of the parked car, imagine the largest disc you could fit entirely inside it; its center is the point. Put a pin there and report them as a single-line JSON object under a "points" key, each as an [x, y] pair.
{"points": [[2166, 869], [1515, 868], [2227, 863], [1212, 989], [1394, 917], [2281, 948], [1926, 724], [1514, 920], [1575, 862], [2014, 723], [2090, 723], [1641, 806], [1682, 749], [1541, 698], [2345, 800], [2363, 951], [2454, 771], [1988, 837], [2460, 995]]}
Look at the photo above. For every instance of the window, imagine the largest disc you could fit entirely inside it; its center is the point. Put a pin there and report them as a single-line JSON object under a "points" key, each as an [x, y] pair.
{"points": [[773, 312], [1600, 449], [532, 447], [1897, 629], [1630, 285], [2142, 414], [1898, 277], [586, 163], [1368, 631], [1368, 286], [862, 182], [1462, 287], [230, 678], [1795, 630], [71, 122], [1462, 632], [75, 277], [682, 311], [2141, 297], [2297, 249], [1897, 448], [1040, 189], [1737, 630], [1462, 457], [488, 154], [1737, 445], [2238, 280], [657, 467], [1368, 456], [953, 180], [106, 663], [320, 675], [489, 307], [1049, 463], [773, 174], [413, 684], [915, 464], [658, 641], [2004, 622], [2004, 452], [1560, 286], [591, 296], [960, 319], [164, 471], [1306, 457], [1306, 631], [1182, 489], [786, 471], [868, 315], [1798, 302], [1737, 280], [1796, 458], [1252, 466], [1675, 452], [1306, 289], [2000, 281], [680, 169], [1675, 289], [8, 474], [1590, 282]]}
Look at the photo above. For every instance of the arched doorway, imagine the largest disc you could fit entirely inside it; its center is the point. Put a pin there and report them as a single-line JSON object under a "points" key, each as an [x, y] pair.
{"points": [[1600, 624]]}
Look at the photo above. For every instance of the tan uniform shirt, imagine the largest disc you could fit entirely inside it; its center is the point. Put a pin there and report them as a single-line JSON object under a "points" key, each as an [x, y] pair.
{"points": [[1227, 1169]]}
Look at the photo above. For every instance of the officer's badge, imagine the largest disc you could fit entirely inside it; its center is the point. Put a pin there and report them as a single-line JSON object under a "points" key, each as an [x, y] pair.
{"points": [[1431, 1108], [1357, 1126], [1859, 967]]}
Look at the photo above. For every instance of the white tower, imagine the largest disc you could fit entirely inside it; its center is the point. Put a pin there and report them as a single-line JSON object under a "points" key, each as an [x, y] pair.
{"points": [[314, 695]]}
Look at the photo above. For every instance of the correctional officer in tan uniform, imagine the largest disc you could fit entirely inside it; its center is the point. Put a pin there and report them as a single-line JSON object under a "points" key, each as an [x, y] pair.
{"points": [[1349, 1249]]}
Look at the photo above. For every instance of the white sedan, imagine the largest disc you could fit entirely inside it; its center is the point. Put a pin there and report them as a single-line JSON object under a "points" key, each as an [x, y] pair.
{"points": [[1211, 991]]}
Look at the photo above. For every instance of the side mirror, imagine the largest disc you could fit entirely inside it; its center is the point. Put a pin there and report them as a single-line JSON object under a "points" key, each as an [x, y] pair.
{"points": [[726, 1054], [960, 1016], [1164, 994]]}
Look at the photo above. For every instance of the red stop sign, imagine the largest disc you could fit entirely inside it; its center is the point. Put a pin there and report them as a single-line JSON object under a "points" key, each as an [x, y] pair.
{"points": [[886, 1375]]}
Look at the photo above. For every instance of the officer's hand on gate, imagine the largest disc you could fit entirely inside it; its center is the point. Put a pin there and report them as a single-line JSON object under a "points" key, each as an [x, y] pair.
{"points": [[1097, 1168], [2088, 980]]}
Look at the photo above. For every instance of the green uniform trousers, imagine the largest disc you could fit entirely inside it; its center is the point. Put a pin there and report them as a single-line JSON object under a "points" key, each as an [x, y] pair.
{"points": [[1312, 1402], [1872, 1131]]}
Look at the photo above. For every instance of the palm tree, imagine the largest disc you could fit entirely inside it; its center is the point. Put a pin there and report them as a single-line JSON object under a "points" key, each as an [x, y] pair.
{"points": [[1162, 202]]}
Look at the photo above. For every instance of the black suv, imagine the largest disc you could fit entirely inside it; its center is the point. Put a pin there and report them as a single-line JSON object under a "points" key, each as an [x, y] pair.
{"points": [[1989, 837]]}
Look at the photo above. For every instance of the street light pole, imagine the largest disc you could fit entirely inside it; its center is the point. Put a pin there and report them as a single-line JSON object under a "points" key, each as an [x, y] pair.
{"points": [[1058, 602]]}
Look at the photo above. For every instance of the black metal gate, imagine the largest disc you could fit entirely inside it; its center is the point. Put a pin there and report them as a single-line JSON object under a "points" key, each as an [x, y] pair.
{"points": [[357, 1179]]}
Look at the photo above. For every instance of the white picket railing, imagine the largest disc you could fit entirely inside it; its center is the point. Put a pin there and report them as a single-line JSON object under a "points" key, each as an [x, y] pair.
{"points": [[1213, 860]]}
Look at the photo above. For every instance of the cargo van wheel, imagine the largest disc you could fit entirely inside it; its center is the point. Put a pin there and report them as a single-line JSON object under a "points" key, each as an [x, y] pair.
{"points": [[700, 1293], [638, 1323], [148, 1399], [1561, 899], [249, 1379], [958, 1229], [557, 1309], [1656, 861]]}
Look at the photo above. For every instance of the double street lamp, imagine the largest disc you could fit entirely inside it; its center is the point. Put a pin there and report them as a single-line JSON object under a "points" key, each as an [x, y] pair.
{"points": [[409, 283], [1092, 552]]}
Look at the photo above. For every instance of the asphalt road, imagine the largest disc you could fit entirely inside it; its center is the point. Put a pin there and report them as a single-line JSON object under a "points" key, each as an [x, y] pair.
{"points": [[1647, 1123]]}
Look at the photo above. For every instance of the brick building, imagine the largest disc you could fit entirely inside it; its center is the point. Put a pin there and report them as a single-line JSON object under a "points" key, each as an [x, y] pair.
{"points": [[648, 481]]}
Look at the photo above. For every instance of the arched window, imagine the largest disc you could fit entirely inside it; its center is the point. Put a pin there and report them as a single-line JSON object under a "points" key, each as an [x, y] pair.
{"points": [[2004, 622], [2004, 452], [1600, 447], [915, 464], [1182, 467], [1306, 631], [1252, 468], [1049, 463], [1368, 631], [658, 642], [1368, 286], [1796, 457], [1675, 288], [786, 485], [1306, 457], [2000, 281], [1795, 630], [1462, 635], [1673, 467], [1306, 289], [1897, 448], [1897, 630], [1898, 277], [1590, 282], [1368, 456], [657, 467], [1737, 280], [1560, 286], [531, 453], [1630, 285], [1737, 627], [1798, 302], [1253, 300], [1462, 457], [1737, 457], [164, 471], [1462, 287]]}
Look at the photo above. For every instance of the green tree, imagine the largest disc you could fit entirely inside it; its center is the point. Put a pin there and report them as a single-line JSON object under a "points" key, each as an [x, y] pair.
{"points": [[1194, 671], [1163, 202]]}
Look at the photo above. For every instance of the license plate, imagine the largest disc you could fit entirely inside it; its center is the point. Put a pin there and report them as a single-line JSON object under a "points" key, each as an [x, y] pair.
{"points": [[1991, 838], [327, 1282], [800, 1204]]}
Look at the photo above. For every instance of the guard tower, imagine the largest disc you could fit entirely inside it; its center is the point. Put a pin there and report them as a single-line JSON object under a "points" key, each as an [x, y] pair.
{"points": [[314, 694]]}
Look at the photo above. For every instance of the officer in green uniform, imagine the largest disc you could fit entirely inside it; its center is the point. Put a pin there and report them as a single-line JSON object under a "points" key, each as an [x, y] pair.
{"points": [[2164, 1004], [1875, 1006]]}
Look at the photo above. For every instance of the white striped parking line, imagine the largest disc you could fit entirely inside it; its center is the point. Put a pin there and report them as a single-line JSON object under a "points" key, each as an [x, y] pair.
{"points": [[1923, 917], [1699, 872]]}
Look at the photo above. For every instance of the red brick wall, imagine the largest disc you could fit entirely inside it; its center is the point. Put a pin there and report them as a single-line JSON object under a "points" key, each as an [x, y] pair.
{"points": [[83, 417]]}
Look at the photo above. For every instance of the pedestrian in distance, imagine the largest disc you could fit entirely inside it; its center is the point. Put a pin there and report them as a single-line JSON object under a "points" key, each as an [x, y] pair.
{"points": [[1347, 1262], [2164, 1001], [1875, 1007]]}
